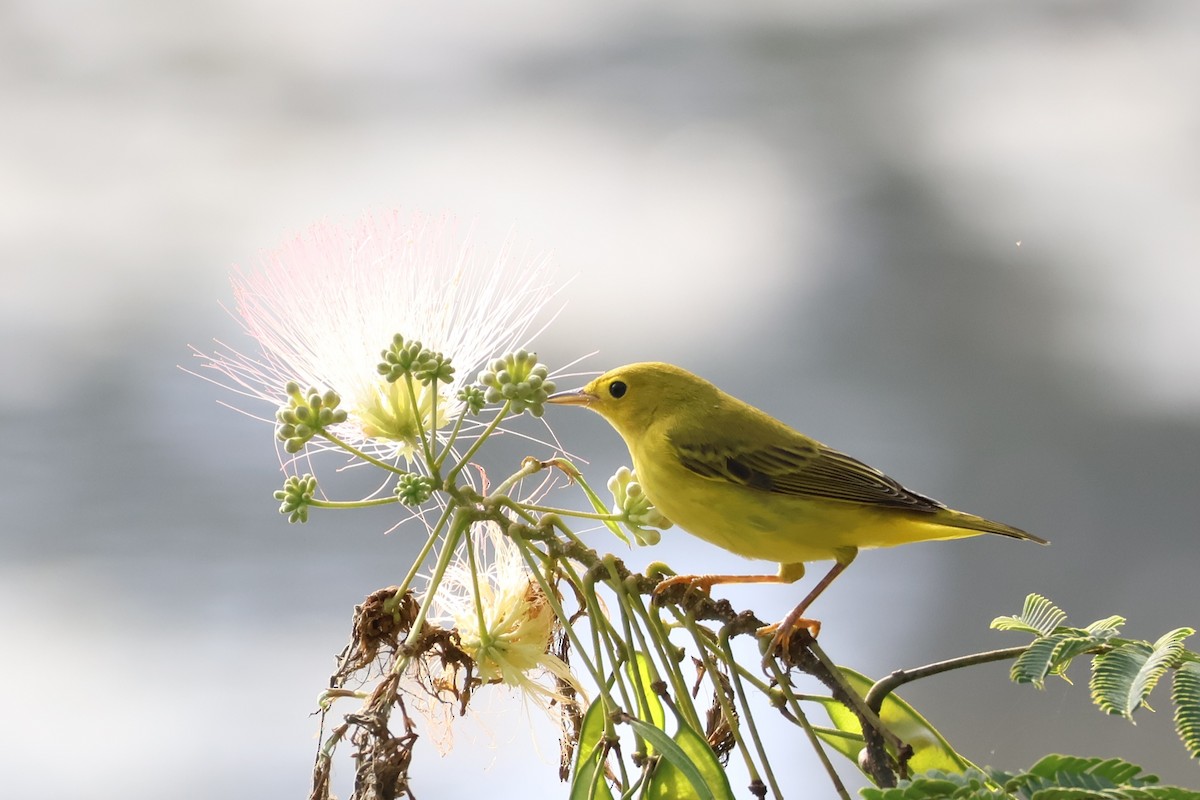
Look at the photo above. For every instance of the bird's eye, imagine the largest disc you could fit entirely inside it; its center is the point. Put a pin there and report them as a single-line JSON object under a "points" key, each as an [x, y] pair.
{"points": [[617, 389]]}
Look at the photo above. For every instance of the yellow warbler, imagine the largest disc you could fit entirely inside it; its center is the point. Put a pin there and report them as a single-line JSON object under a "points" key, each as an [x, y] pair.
{"points": [[736, 477]]}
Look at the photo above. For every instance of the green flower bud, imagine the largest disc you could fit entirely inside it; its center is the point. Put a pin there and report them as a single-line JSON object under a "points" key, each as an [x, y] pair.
{"points": [[413, 489], [413, 358], [518, 379], [473, 397], [305, 415], [436, 368], [296, 494], [630, 503]]}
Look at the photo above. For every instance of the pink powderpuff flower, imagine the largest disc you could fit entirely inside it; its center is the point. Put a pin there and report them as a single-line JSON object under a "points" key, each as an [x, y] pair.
{"points": [[324, 304]]}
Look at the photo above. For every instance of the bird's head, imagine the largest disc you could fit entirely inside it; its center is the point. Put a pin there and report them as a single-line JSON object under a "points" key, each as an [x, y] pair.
{"points": [[634, 396]]}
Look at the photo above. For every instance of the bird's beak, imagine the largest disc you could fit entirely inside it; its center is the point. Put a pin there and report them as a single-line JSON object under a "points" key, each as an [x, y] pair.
{"points": [[572, 397]]}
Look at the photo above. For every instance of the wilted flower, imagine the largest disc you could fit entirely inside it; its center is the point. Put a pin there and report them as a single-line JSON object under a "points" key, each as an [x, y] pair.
{"points": [[512, 644], [325, 305]]}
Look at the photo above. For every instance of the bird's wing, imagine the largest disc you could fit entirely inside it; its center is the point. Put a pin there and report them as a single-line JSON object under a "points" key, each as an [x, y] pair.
{"points": [[802, 468]]}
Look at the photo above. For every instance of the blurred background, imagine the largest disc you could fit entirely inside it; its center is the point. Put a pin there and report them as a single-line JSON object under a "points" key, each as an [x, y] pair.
{"points": [[958, 240]]}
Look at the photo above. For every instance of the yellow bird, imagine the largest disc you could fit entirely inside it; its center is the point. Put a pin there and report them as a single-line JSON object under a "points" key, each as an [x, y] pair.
{"points": [[736, 477]]}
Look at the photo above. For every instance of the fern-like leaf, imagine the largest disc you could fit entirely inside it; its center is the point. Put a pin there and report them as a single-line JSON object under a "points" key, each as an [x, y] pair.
{"points": [[935, 785], [1185, 694], [1123, 677], [1105, 628], [1037, 662], [1068, 648], [1059, 777], [1054, 777], [1110, 771], [1166, 654], [1039, 617]]}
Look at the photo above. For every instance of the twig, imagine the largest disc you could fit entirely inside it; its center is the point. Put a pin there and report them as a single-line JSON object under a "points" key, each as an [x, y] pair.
{"points": [[885, 686]]}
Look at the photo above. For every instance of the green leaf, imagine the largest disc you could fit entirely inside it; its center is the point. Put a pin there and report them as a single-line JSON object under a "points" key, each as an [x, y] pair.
{"points": [[589, 783], [1185, 694], [688, 766], [1038, 661], [1124, 677], [1039, 617], [1055, 777], [1068, 649], [1106, 628], [1113, 677], [1058, 777], [937, 785], [931, 751], [1071, 771], [1166, 654], [650, 708]]}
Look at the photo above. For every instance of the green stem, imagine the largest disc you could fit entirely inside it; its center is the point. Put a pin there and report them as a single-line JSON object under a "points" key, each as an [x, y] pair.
{"points": [[561, 527], [598, 621], [529, 467], [448, 448], [740, 692], [500, 501], [425, 448], [485, 638], [704, 645], [325, 699], [870, 715], [639, 687], [565, 512], [379, 501], [449, 545], [433, 425], [798, 714], [462, 462], [434, 533], [602, 513], [745, 674], [552, 598], [813, 739], [662, 644], [551, 521], [354, 451], [878, 737]]}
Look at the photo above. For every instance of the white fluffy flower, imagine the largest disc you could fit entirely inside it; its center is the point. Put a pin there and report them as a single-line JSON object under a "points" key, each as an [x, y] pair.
{"points": [[507, 628], [323, 305]]}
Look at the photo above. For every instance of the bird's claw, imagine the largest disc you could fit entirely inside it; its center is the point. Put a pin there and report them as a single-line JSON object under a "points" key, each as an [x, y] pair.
{"points": [[781, 634], [701, 583]]}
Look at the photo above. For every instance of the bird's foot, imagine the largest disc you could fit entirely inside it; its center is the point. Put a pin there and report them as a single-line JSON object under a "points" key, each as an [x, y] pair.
{"points": [[705, 582], [700, 583], [781, 633]]}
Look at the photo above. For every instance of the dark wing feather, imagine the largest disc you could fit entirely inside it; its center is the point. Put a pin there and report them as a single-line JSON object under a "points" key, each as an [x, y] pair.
{"points": [[801, 469]]}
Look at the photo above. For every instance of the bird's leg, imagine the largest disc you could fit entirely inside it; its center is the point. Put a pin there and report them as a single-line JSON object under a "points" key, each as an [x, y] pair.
{"points": [[781, 632], [788, 573], [705, 582]]}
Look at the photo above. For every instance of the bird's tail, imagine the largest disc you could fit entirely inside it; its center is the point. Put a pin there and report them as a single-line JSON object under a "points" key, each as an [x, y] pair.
{"points": [[959, 519]]}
